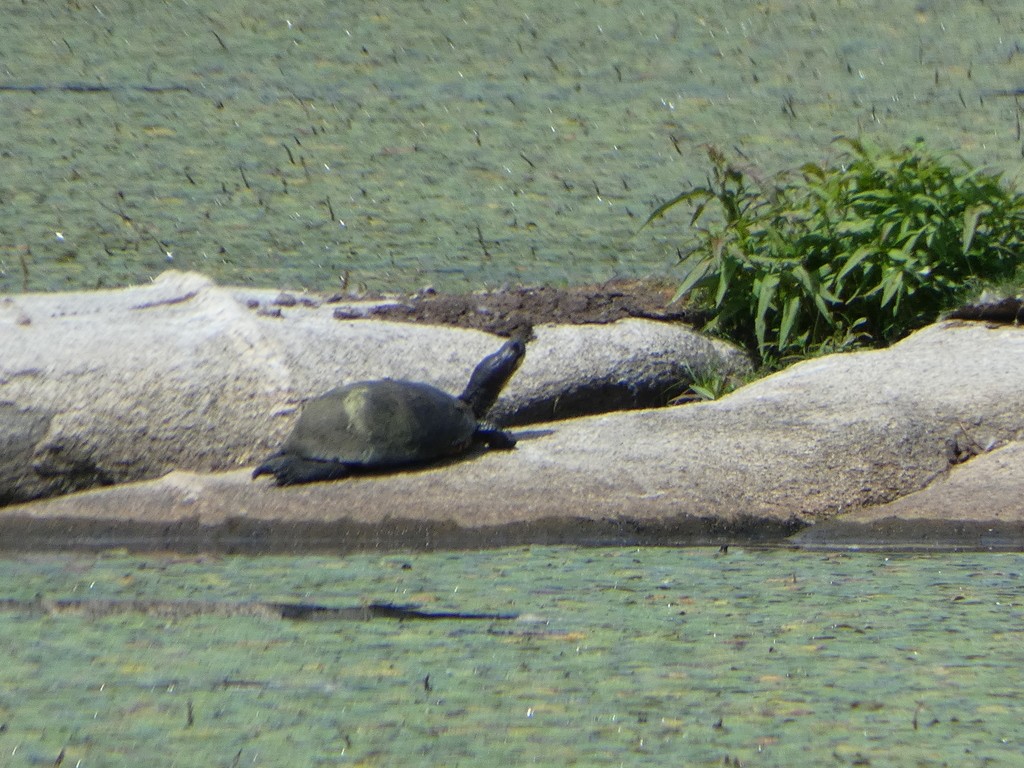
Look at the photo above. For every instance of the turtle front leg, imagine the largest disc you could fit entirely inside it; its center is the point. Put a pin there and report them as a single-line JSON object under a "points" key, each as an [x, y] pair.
{"points": [[495, 438]]}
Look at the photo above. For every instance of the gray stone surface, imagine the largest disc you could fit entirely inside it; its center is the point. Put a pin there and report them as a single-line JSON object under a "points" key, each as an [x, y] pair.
{"points": [[108, 387], [814, 445], [975, 505]]}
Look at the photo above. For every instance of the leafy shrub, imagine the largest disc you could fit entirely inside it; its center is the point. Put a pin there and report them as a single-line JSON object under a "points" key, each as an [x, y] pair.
{"points": [[859, 252]]}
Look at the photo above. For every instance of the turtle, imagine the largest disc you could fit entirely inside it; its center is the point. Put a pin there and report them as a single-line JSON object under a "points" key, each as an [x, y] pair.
{"points": [[390, 423]]}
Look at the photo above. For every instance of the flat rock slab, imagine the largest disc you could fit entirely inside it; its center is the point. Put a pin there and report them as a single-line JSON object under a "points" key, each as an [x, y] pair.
{"points": [[822, 440], [106, 387], [436, 508], [978, 505]]}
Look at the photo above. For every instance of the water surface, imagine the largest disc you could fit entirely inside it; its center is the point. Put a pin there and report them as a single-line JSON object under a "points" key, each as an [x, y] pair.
{"points": [[461, 145], [620, 657]]}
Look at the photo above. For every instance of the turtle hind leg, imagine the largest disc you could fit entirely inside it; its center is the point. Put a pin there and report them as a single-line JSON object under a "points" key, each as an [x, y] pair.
{"points": [[494, 438], [270, 465], [289, 469]]}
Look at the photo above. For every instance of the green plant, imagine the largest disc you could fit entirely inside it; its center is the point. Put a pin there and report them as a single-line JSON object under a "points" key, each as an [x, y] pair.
{"points": [[711, 383], [858, 252]]}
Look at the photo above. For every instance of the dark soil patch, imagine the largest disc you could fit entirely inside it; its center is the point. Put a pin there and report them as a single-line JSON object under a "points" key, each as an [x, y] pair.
{"points": [[514, 311], [1005, 311]]}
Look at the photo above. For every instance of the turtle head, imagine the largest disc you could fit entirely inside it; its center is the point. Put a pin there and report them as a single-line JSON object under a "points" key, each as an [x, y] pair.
{"points": [[491, 375]]}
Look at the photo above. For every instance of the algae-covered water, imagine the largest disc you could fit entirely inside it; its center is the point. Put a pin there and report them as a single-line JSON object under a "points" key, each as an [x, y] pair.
{"points": [[620, 657], [395, 144]]}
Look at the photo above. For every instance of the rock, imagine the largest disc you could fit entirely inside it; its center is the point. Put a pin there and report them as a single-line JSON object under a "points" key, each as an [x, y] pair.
{"points": [[107, 387], [575, 370], [977, 505], [21, 429], [109, 384], [457, 506], [823, 439]]}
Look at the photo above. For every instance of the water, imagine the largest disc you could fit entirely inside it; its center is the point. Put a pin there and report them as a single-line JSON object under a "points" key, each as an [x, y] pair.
{"points": [[455, 144], [622, 656]]}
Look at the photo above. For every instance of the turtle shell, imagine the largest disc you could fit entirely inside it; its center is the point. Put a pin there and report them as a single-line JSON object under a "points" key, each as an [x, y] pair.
{"points": [[382, 423]]}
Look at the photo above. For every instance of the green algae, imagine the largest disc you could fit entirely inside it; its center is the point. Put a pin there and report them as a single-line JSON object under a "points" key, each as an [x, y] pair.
{"points": [[454, 144], [673, 657]]}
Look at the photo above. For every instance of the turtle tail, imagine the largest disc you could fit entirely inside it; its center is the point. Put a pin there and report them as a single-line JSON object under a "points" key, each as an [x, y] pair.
{"points": [[491, 375]]}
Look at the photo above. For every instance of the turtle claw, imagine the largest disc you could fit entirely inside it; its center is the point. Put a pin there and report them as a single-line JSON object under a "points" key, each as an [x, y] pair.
{"points": [[291, 470]]}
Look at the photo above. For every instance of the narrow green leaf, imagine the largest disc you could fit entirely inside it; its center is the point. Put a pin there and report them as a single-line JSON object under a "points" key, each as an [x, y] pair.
{"points": [[927, 201], [697, 272], [704, 392], [892, 286], [816, 291], [855, 259], [700, 192], [698, 211], [813, 171], [789, 315], [971, 217], [855, 227], [854, 144], [765, 295], [910, 244], [725, 276]]}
